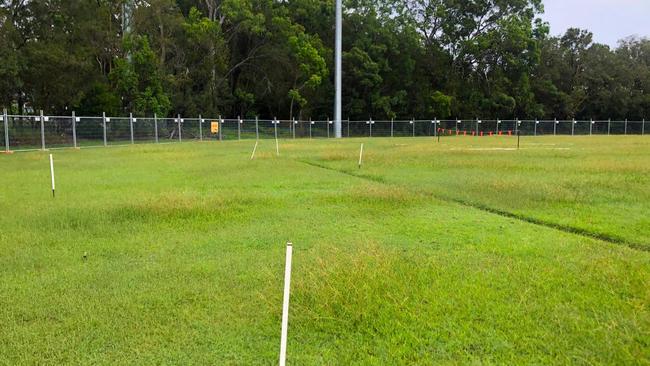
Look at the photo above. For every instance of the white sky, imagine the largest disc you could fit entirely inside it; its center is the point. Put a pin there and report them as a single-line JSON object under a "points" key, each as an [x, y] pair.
{"points": [[608, 20]]}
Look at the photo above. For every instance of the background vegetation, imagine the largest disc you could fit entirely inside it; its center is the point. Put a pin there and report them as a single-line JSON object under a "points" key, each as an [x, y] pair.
{"points": [[403, 59]]}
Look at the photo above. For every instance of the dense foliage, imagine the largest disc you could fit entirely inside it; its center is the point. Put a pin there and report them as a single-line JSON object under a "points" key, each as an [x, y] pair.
{"points": [[402, 59]]}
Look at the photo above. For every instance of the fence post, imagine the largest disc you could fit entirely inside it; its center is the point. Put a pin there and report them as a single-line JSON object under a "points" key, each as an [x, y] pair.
{"points": [[155, 125], [220, 129], [328, 127], [642, 128], [348, 127], [257, 128], [74, 130], [104, 128], [555, 123], [275, 127], [413, 121], [178, 121], [239, 122], [498, 126], [573, 127], [609, 126], [310, 123], [5, 118], [200, 128], [42, 131], [626, 126], [591, 126], [294, 123], [517, 123], [131, 127], [391, 127]]}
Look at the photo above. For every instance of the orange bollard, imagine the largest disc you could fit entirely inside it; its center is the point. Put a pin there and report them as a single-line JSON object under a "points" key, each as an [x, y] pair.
{"points": [[509, 133], [490, 134], [481, 133]]}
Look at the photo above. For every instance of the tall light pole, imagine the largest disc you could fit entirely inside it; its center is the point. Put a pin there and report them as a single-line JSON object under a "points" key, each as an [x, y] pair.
{"points": [[339, 68]]}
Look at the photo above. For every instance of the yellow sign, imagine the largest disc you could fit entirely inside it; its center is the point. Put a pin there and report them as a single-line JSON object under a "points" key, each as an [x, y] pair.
{"points": [[214, 127]]}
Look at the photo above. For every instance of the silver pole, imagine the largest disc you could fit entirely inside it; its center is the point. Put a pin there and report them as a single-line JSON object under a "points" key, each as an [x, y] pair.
{"points": [[155, 125], [131, 127], [435, 127], [392, 121], [555, 123], [180, 137], [200, 128], [626, 126], [609, 126], [42, 131], [257, 128], [104, 128], [413, 121], [220, 129], [294, 128], [238, 127], [642, 129], [310, 123], [573, 126], [275, 126], [5, 118], [339, 68], [74, 130], [536, 127], [328, 127], [591, 126]]}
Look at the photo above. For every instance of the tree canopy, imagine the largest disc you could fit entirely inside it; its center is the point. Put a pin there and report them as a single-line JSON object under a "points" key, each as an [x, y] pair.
{"points": [[402, 59]]}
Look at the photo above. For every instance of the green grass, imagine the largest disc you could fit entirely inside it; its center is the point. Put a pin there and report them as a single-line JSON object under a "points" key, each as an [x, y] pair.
{"points": [[462, 252]]}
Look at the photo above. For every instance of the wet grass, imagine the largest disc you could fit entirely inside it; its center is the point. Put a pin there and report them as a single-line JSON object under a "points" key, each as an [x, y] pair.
{"points": [[174, 254]]}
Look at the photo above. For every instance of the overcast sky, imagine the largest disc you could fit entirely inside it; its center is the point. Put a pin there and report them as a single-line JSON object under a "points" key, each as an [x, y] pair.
{"points": [[608, 20]]}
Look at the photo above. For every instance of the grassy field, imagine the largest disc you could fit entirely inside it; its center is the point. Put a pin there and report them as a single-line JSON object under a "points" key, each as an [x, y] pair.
{"points": [[465, 251]]}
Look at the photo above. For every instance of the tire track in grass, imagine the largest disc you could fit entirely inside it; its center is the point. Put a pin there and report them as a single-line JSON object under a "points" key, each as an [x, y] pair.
{"points": [[612, 239]]}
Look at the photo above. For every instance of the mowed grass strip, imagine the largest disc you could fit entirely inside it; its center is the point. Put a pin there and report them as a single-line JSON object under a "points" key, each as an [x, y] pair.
{"points": [[184, 253], [592, 184]]}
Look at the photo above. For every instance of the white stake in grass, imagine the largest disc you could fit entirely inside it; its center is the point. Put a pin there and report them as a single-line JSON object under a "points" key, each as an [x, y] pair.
{"points": [[52, 174], [277, 146], [360, 156], [285, 306], [254, 149]]}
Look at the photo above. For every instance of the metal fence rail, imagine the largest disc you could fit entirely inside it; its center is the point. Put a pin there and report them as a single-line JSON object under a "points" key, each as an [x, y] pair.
{"points": [[40, 132]]}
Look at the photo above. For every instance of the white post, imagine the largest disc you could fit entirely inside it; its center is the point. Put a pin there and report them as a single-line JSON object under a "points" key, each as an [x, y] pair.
{"points": [[361, 156], [591, 126], [392, 121], [370, 123], [536, 122], [642, 130], [555, 123], [42, 131], [626, 126], [5, 118], [155, 125], [220, 129], [254, 149], [131, 127], [257, 128], [285, 305], [413, 123], [435, 127], [104, 128], [74, 130], [294, 123], [180, 137], [52, 174], [200, 128]]}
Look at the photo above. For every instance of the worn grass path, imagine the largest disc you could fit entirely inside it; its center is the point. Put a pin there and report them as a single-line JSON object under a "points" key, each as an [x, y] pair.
{"points": [[184, 253]]}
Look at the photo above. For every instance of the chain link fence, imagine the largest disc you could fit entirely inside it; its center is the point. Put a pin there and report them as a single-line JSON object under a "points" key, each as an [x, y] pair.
{"points": [[28, 132]]}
